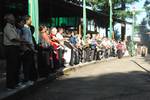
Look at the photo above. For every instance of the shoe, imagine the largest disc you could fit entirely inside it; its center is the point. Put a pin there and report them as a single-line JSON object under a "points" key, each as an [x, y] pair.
{"points": [[9, 89], [29, 83], [20, 85]]}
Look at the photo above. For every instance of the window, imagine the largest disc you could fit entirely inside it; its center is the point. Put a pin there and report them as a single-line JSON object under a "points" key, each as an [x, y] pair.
{"points": [[64, 21], [91, 25]]}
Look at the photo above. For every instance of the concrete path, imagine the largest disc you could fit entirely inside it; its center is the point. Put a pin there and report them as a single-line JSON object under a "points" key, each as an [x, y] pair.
{"points": [[120, 79]]}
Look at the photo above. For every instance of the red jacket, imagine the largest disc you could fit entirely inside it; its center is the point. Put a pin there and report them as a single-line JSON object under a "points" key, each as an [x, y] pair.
{"points": [[119, 46], [54, 41]]}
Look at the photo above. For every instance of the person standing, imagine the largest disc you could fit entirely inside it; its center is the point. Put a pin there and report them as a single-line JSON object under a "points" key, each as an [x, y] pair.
{"points": [[12, 46], [73, 42], [29, 69], [55, 44], [61, 50], [119, 49], [45, 53]]}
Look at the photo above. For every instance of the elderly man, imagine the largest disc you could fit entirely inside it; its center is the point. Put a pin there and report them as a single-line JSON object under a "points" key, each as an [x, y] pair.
{"points": [[12, 45]]}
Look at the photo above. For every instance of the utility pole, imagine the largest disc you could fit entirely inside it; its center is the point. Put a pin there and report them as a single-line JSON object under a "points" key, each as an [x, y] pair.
{"points": [[133, 23], [110, 19], [84, 20]]}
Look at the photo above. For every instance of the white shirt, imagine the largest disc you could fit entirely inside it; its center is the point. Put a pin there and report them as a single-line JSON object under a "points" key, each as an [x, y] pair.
{"points": [[60, 38], [10, 33]]}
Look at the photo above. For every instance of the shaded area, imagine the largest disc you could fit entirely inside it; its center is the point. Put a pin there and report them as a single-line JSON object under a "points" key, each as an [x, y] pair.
{"points": [[114, 86], [55, 8], [49, 9]]}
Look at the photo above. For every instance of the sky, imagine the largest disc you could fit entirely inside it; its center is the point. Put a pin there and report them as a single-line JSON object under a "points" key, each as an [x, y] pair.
{"points": [[139, 6]]}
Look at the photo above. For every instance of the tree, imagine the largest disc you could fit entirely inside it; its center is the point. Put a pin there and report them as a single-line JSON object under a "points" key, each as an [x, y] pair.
{"points": [[119, 10], [147, 8], [145, 25]]}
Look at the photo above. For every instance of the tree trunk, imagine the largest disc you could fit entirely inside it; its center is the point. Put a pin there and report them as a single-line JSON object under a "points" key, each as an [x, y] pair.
{"points": [[123, 31], [123, 26], [107, 32]]}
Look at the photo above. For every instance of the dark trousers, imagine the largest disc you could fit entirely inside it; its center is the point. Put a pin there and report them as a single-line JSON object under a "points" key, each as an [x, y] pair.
{"points": [[76, 57], [119, 53], [72, 57], [45, 62], [93, 54], [13, 65], [99, 54], [87, 54], [80, 54], [29, 69], [61, 57]]}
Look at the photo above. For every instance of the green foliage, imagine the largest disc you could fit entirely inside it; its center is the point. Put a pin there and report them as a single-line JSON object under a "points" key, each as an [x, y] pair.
{"points": [[119, 7], [147, 6]]}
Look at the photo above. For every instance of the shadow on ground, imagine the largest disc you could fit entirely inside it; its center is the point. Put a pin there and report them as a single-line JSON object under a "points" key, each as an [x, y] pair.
{"points": [[133, 85]]}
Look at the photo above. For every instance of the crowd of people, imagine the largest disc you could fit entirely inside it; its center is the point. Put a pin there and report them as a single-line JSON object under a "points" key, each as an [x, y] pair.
{"points": [[56, 48]]}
